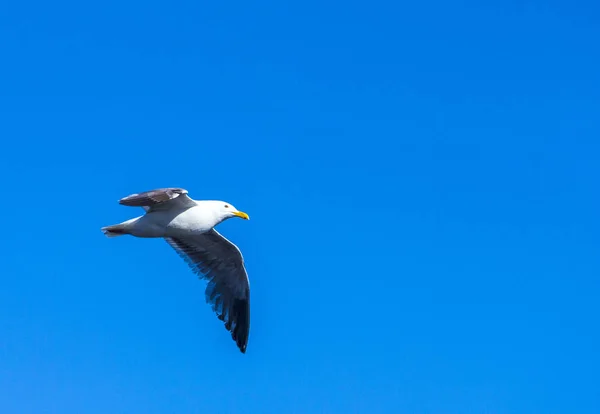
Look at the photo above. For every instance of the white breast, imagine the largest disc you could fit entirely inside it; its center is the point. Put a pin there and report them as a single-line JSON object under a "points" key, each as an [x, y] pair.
{"points": [[192, 220]]}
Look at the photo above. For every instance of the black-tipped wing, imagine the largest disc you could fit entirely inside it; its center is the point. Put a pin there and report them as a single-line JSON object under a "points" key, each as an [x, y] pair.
{"points": [[220, 262], [159, 198]]}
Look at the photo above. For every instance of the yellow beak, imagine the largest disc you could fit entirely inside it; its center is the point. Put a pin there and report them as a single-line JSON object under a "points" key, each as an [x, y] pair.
{"points": [[243, 215]]}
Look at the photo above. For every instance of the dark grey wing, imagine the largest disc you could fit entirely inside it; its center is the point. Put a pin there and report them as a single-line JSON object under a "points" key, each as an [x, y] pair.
{"points": [[220, 262], [159, 198]]}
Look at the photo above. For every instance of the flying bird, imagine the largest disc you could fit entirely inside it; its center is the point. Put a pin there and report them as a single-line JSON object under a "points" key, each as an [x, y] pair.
{"points": [[188, 226]]}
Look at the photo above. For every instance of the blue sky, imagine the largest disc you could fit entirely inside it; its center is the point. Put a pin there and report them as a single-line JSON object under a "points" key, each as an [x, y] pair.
{"points": [[422, 181]]}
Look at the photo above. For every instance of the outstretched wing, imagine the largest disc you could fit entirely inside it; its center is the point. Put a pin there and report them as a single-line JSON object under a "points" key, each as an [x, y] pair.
{"points": [[220, 262], [158, 199]]}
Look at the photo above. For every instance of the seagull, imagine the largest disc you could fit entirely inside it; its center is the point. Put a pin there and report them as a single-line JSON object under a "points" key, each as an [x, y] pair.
{"points": [[188, 227]]}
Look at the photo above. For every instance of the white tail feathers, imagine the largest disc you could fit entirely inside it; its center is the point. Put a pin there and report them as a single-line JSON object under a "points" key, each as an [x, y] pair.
{"points": [[114, 231]]}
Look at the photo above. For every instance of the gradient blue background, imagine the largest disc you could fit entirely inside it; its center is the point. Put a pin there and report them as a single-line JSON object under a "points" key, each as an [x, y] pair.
{"points": [[422, 181]]}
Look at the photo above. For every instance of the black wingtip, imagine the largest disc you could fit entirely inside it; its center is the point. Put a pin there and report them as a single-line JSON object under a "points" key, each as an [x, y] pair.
{"points": [[241, 310]]}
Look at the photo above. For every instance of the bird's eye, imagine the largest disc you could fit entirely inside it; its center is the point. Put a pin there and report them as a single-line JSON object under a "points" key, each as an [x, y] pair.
{"points": [[226, 205]]}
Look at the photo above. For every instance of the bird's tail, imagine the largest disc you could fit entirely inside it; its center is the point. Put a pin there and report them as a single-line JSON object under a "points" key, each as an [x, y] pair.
{"points": [[114, 230]]}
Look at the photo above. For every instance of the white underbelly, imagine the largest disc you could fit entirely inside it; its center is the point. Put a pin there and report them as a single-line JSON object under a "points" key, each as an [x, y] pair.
{"points": [[169, 223], [191, 221]]}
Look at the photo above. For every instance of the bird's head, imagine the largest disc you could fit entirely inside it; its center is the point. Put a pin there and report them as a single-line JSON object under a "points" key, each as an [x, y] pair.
{"points": [[227, 211]]}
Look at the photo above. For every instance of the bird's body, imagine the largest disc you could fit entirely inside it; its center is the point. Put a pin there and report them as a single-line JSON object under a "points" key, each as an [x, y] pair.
{"points": [[174, 222], [188, 226]]}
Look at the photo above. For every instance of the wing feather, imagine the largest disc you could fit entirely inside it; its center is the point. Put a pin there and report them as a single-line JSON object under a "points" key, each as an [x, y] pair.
{"points": [[159, 198], [220, 262]]}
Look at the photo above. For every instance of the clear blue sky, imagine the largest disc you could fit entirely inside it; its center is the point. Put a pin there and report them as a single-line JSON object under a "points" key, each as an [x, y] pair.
{"points": [[422, 180]]}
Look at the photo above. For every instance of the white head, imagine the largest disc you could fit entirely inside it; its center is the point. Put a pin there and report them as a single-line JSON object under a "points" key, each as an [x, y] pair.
{"points": [[225, 210]]}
